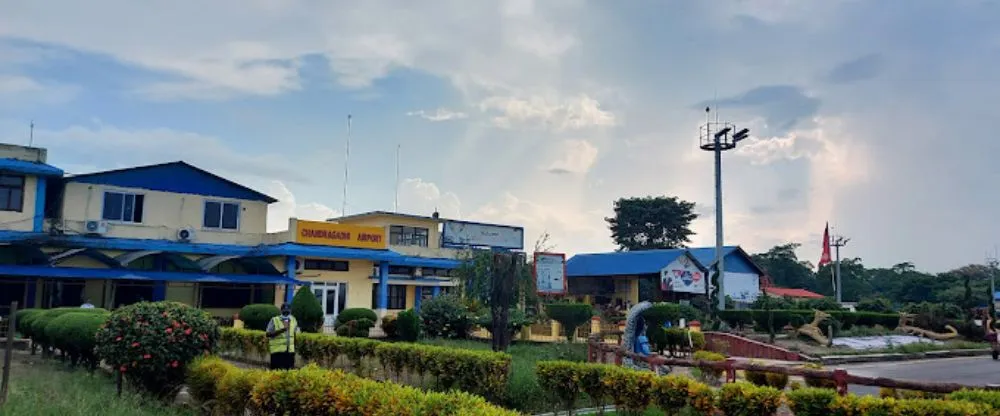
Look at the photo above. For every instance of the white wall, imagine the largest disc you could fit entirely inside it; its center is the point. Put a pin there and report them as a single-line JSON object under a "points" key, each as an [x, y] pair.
{"points": [[163, 214], [742, 287]]}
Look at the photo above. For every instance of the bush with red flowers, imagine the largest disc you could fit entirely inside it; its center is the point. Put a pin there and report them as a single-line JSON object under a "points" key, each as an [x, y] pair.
{"points": [[151, 343]]}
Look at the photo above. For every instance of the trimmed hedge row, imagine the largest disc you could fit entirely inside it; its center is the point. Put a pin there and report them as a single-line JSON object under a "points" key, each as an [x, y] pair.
{"points": [[783, 317], [634, 391], [479, 372], [75, 333], [229, 390], [824, 402], [34, 324]]}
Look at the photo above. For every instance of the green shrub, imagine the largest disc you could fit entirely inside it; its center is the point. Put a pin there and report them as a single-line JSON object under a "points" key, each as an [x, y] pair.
{"points": [[307, 310], [151, 343], [562, 379], [570, 316], [869, 405], [745, 399], [516, 320], [811, 401], [37, 323], [711, 375], [817, 382], [75, 334], [737, 318], [991, 398], [358, 328], [408, 324], [257, 316], [876, 305], [22, 316], [353, 314], [446, 317], [390, 326], [203, 376]]}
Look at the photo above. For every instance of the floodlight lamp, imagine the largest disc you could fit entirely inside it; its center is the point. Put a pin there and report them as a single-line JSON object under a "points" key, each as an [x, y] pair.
{"points": [[740, 135], [723, 132]]}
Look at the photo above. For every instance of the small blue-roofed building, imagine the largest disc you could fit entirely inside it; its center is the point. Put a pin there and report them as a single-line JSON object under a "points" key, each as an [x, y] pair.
{"points": [[741, 277], [614, 278]]}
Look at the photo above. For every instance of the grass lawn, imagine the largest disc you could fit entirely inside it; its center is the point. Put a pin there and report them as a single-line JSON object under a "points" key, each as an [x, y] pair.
{"points": [[46, 388], [524, 393]]}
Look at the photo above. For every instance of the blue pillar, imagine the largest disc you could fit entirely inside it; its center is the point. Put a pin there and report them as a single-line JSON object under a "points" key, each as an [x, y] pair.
{"points": [[437, 291], [39, 217], [417, 292], [290, 273], [159, 287], [383, 286], [31, 289]]}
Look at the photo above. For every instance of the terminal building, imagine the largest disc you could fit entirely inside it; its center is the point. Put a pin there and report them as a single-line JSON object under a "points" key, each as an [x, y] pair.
{"points": [[176, 232]]}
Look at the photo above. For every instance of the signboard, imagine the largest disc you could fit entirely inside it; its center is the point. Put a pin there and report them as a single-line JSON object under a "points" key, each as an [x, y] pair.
{"points": [[550, 273], [466, 234], [339, 235], [682, 275]]}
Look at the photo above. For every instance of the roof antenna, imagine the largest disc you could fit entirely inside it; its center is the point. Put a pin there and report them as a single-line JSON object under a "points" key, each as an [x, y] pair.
{"points": [[395, 202], [347, 160], [31, 133]]}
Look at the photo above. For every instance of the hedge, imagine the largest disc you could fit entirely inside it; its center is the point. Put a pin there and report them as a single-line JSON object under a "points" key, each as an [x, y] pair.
{"points": [[257, 315], [35, 324], [783, 317], [75, 334], [229, 390], [479, 372], [635, 391]]}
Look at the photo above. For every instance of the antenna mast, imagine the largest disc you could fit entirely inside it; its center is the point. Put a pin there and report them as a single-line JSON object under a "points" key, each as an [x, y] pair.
{"points": [[395, 201], [838, 241], [31, 133], [347, 166]]}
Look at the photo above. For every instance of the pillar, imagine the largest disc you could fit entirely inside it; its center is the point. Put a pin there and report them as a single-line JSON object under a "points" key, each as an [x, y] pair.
{"points": [[418, 291], [30, 289], [159, 286], [383, 288], [437, 291], [39, 217], [290, 274]]}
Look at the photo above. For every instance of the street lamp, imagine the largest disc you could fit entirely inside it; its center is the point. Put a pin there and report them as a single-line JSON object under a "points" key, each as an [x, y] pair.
{"points": [[715, 137]]}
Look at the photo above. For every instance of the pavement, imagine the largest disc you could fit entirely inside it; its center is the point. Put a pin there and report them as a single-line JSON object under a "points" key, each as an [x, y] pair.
{"points": [[977, 371]]}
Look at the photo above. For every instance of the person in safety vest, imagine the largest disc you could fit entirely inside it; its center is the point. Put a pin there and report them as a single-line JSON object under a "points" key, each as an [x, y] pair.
{"points": [[282, 330]]}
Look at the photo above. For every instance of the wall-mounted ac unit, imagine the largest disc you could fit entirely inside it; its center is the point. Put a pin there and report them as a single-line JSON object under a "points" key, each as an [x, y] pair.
{"points": [[300, 265], [95, 227], [185, 234]]}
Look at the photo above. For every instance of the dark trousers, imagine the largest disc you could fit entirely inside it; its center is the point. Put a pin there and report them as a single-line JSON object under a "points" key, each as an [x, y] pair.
{"points": [[282, 360]]}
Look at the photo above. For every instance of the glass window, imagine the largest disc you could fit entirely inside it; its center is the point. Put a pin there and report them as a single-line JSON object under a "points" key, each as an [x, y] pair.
{"points": [[401, 270], [222, 215], [408, 236], [11, 192], [227, 296], [332, 265], [125, 207], [397, 297]]}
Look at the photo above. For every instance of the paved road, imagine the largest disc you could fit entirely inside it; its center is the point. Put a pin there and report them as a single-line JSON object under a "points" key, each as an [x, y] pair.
{"points": [[964, 370]]}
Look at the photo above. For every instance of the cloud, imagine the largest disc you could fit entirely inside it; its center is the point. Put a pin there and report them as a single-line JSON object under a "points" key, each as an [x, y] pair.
{"points": [[576, 156], [288, 206], [863, 68], [419, 197], [23, 91], [569, 230], [783, 107], [558, 114], [441, 114]]}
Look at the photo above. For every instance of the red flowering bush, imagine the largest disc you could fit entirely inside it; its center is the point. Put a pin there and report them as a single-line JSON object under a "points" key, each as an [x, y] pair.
{"points": [[151, 343]]}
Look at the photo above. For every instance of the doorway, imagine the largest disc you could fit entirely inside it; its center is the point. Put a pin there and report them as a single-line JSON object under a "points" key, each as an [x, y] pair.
{"points": [[332, 296]]}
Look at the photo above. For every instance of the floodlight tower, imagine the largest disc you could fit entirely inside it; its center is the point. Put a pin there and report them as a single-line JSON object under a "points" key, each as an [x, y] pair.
{"points": [[718, 137]]}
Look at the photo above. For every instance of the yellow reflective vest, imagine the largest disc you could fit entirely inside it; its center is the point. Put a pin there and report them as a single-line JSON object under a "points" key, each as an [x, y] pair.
{"points": [[284, 342]]}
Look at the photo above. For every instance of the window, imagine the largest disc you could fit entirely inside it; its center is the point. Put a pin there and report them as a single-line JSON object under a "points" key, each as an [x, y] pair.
{"points": [[222, 215], [408, 236], [401, 270], [331, 265], [11, 192], [397, 297], [440, 272], [226, 296], [124, 207], [127, 292]]}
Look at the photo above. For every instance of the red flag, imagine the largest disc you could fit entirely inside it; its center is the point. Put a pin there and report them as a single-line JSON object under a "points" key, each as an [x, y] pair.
{"points": [[825, 258]]}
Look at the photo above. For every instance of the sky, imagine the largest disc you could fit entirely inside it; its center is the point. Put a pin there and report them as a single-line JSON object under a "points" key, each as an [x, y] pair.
{"points": [[864, 114]]}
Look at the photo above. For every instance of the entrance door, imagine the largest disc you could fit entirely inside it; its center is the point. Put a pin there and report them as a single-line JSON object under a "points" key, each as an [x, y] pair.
{"points": [[333, 298]]}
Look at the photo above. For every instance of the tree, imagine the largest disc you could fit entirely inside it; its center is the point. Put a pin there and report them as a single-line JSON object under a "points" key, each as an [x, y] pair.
{"points": [[649, 223], [307, 310], [785, 269]]}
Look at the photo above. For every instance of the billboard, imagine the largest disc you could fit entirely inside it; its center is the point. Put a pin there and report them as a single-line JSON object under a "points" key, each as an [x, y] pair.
{"points": [[550, 273], [471, 234], [339, 235], [682, 275]]}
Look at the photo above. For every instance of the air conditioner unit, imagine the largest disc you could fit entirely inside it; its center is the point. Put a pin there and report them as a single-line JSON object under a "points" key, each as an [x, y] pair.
{"points": [[300, 266], [185, 234], [96, 227]]}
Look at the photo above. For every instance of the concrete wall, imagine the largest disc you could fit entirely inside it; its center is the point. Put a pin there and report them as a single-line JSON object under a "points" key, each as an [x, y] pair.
{"points": [[30, 154], [433, 249], [164, 214]]}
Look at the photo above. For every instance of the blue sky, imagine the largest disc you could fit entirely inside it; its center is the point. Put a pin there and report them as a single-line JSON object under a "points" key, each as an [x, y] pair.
{"points": [[867, 114]]}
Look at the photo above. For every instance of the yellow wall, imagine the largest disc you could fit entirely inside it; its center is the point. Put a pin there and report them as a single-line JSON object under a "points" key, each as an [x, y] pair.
{"points": [[24, 220], [163, 214], [358, 279]]}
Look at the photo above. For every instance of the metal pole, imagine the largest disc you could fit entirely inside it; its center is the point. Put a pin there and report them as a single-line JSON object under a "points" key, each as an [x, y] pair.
{"points": [[719, 265], [839, 279], [8, 353], [347, 169]]}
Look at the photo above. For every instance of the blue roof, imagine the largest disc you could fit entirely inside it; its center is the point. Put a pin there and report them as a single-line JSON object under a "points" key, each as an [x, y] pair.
{"points": [[706, 256], [623, 263], [176, 177], [29, 168], [283, 249], [127, 274]]}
